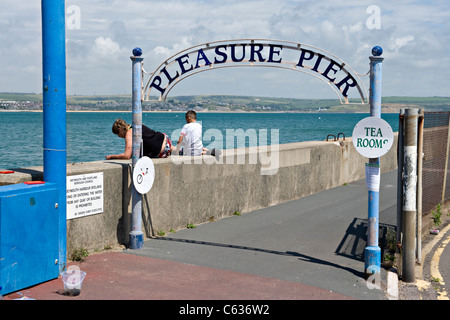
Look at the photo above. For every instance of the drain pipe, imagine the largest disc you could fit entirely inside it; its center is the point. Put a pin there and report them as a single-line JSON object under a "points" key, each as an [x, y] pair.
{"points": [[419, 184], [54, 108], [400, 164]]}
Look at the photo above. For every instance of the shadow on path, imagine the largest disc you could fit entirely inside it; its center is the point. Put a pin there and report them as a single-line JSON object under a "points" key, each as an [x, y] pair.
{"points": [[300, 256], [355, 239]]}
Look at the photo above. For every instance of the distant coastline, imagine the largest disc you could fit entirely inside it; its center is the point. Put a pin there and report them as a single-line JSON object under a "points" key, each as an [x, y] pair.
{"points": [[204, 111], [16, 102]]}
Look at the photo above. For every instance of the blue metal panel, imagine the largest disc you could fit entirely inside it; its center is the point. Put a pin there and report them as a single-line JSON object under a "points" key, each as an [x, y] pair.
{"points": [[28, 235]]}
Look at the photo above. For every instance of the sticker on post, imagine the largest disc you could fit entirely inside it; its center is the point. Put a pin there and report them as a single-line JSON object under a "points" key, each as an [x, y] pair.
{"points": [[373, 176], [143, 175]]}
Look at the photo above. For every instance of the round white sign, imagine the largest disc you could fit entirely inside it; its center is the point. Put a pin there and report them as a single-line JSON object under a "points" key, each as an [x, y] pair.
{"points": [[372, 137], [143, 175]]}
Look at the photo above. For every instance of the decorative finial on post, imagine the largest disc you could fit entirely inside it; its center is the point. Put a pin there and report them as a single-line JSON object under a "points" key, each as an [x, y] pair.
{"points": [[377, 51], [137, 52]]}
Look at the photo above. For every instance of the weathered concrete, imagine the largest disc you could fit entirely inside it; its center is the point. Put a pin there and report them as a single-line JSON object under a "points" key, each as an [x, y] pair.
{"points": [[209, 188]]}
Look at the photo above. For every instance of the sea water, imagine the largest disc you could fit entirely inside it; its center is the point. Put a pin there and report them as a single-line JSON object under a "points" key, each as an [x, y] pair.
{"points": [[89, 135]]}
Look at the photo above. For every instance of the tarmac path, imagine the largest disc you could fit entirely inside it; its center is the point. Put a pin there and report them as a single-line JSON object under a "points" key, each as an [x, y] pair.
{"points": [[317, 240]]}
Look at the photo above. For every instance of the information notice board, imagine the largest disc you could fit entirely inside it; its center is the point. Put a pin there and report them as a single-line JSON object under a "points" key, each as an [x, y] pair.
{"points": [[84, 195]]}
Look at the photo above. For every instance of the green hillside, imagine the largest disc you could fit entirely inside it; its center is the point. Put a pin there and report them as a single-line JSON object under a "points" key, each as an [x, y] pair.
{"points": [[31, 101]]}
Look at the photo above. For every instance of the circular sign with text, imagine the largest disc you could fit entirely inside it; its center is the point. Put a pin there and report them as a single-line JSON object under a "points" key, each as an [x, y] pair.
{"points": [[372, 137], [143, 175]]}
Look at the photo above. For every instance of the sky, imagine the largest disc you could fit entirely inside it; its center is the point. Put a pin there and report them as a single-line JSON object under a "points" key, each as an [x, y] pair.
{"points": [[100, 36]]}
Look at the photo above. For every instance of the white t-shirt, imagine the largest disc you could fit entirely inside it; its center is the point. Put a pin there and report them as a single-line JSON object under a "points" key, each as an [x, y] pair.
{"points": [[192, 140]]}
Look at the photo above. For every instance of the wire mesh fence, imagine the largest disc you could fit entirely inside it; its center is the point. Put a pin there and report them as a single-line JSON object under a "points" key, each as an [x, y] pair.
{"points": [[435, 180]]}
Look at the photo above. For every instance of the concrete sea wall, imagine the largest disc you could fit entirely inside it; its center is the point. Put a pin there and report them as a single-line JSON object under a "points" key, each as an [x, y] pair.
{"points": [[193, 190]]}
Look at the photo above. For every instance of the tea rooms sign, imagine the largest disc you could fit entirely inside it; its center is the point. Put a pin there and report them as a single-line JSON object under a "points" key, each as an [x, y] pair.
{"points": [[372, 137]]}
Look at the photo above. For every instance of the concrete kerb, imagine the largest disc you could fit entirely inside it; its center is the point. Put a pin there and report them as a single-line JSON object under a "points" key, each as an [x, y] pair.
{"points": [[427, 250], [423, 288], [392, 284]]}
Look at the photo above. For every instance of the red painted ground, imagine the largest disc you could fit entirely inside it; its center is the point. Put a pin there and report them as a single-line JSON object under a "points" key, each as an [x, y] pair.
{"points": [[120, 276]]}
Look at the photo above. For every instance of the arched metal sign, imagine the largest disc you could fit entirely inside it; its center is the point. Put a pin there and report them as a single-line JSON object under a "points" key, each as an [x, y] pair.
{"points": [[255, 53]]}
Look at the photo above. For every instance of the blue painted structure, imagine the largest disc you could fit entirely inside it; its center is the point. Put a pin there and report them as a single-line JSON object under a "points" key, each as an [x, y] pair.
{"points": [[54, 105], [136, 234], [372, 252], [29, 252], [33, 217]]}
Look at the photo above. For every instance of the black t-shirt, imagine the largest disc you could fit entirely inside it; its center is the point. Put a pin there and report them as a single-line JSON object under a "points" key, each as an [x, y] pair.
{"points": [[152, 142]]}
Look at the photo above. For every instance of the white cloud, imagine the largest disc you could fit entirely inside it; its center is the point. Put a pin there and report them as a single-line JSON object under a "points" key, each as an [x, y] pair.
{"points": [[165, 52], [397, 43], [106, 47], [352, 29]]}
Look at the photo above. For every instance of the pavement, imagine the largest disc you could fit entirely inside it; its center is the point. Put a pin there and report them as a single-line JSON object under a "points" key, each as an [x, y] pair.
{"points": [[306, 249], [432, 273]]}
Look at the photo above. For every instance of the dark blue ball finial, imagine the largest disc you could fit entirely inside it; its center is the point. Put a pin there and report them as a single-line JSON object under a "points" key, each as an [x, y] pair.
{"points": [[137, 52], [377, 51]]}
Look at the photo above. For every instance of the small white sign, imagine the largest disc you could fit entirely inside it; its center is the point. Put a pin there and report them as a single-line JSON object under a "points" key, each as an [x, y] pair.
{"points": [[84, 195], [372, 137], [373, 177], [143, 175]]}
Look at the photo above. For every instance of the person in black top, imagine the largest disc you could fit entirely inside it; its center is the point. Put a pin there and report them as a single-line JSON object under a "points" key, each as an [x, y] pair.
{"points": [[154, 144]]}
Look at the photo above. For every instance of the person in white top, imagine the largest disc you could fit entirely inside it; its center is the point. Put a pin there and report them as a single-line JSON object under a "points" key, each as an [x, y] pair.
{"points": [[191, 136]]}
